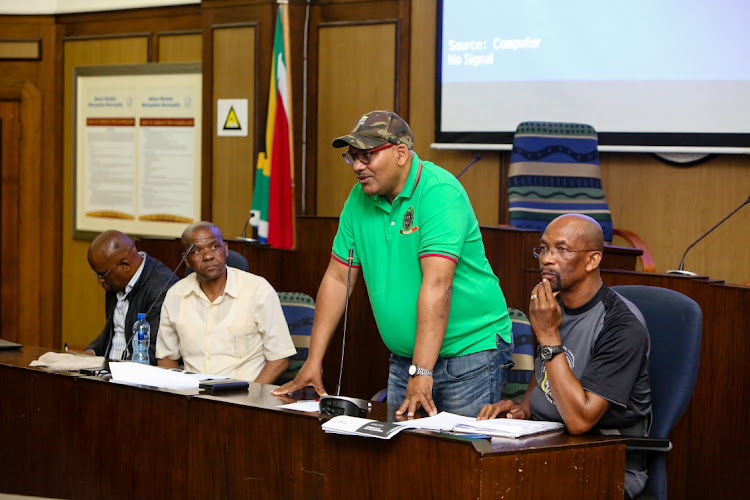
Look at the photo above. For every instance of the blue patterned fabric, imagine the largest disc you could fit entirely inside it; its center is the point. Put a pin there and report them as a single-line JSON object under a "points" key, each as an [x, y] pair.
{"points": [[299, 311], [523, 356], [554, 169]]}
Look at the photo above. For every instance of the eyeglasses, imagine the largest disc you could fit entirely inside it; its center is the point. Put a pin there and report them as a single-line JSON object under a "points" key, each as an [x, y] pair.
{"points": [[363, 155], [561, 251], [102, 276]]}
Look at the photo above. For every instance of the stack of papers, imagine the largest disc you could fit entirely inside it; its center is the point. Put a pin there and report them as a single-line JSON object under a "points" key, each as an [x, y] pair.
{"points": [[355, 426], [138, 374], [501, 427]]}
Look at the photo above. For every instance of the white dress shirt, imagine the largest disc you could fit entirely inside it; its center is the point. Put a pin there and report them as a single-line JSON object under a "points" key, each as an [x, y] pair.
{"points": [[233, 336]]}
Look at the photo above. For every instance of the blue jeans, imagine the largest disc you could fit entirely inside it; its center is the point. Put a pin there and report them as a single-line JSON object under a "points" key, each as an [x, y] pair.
{"points": [[463, 384]]}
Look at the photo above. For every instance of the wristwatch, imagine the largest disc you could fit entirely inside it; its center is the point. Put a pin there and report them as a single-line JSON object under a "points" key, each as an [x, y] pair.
{"points": [[414, 370], [547, 352]]}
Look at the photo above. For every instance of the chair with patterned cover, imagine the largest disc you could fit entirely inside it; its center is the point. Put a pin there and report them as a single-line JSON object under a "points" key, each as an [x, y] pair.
{"points": [[523, 357], [299, 311], [554, 170]]}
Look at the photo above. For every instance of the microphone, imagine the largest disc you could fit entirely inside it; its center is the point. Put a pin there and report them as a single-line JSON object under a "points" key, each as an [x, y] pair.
{"points": [[682, 262], [476, 158], [156, 299], [342, 405], [243, 236]]}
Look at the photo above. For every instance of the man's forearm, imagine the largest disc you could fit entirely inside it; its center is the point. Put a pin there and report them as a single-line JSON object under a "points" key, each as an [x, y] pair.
{"points": [[433, 309], [168, 363], [271, 371]]}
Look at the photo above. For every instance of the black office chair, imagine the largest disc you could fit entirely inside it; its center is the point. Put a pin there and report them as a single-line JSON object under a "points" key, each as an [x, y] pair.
{"points": [[234, 259], [675, 325]]}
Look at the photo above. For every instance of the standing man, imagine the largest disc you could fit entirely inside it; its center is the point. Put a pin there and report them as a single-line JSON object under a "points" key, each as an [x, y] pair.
{"points": [[410, 228], [132, 281], [592, 367], [221, 320]]}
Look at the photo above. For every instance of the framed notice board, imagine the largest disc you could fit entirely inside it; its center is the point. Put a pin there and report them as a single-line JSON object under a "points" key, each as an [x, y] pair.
{"points": [[137, 159]]}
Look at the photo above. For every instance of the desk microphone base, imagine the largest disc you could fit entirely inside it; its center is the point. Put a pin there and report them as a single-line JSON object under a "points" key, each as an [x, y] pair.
{"points": [[334, 406]]}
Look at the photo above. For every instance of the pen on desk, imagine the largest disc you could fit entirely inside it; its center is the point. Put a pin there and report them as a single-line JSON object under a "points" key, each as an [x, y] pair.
{"points": [[66, 347]]}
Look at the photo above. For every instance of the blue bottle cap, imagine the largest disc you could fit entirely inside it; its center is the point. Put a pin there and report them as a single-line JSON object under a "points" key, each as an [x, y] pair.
{"points": [[141, 316]]}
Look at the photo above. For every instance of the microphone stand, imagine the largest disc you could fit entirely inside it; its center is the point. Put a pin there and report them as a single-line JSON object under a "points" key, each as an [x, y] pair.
{"points": [[476, 158], [342, 405], [681, 271], [163, 289], [243, 236]]}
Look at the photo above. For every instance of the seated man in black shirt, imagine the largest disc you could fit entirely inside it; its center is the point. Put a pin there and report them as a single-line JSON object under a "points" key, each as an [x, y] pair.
{"points": [[133, 282], [601, 383]]}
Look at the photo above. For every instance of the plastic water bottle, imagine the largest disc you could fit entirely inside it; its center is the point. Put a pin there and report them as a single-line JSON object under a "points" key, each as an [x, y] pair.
{"points": [[141, 339]]}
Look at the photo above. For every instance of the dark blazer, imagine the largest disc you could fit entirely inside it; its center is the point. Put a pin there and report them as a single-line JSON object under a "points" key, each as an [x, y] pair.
{"points": [[145, 292]]}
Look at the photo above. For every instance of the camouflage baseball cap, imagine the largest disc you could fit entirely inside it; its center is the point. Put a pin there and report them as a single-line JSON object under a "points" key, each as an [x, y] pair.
{"points": [[377, 128]]}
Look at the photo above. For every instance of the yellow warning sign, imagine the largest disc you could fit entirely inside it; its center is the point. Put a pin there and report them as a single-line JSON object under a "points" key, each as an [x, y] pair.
{"points": [[232, 123]]}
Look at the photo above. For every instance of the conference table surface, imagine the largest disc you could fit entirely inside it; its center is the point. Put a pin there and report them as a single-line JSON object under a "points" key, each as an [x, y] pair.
{"points": [[71, 436]]}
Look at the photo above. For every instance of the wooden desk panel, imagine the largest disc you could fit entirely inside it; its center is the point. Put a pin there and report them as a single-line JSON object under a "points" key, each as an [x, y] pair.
{"points": [[71, 437], [286, 455], [131, 442], [37, 427]]}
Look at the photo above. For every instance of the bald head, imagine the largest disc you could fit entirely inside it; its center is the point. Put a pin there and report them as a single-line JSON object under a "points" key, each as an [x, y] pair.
{"points": [[110, 243], [113, 257], [582, 228], [187, 234]]}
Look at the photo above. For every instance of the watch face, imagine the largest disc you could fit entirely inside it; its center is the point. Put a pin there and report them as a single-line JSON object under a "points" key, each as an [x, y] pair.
{"points": [[413, 370], [546, 353]]}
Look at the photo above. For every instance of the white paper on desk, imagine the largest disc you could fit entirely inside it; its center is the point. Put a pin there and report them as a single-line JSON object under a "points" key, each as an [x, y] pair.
{"points": [[443, 421], [306, 405], [507, 427], [140, 374], [365, 427]]}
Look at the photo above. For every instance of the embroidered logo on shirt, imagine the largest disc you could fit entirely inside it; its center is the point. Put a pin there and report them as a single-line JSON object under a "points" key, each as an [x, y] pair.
{"points": [[406, 224]]}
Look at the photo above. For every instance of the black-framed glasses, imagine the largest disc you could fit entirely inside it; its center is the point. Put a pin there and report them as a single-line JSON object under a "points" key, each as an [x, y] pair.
{"points": [[363, 155], [561, 251]]}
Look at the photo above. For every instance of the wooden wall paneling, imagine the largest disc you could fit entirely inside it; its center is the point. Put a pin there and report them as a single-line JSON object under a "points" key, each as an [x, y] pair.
{"points": [[29, 236], [41, 179], [670, 207], [348, 88], [179, 47], [21, 192], [82, 297], [21, 49], [234, 77], [150, 21], [9, 215]]}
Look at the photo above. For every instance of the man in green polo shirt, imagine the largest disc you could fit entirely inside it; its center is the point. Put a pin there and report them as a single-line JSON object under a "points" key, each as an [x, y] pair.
{"points": [[410, 228]]}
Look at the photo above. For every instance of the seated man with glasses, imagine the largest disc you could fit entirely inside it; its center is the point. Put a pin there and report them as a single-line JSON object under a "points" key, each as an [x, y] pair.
{"points": [[221, 320], [132, 281], [600, 383], [409, 226]]}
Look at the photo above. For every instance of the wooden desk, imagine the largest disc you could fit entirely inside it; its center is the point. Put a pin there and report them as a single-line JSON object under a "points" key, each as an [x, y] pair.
{"points": [[72, 437], [711, 451]]}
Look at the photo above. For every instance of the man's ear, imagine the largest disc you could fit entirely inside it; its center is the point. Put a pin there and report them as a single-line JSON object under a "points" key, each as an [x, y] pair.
{"points": [[403, 154], [594, 261]]}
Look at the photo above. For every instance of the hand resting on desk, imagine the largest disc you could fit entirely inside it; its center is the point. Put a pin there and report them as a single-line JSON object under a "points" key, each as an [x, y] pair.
{"points": [[506, 408], [311, 374]]}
